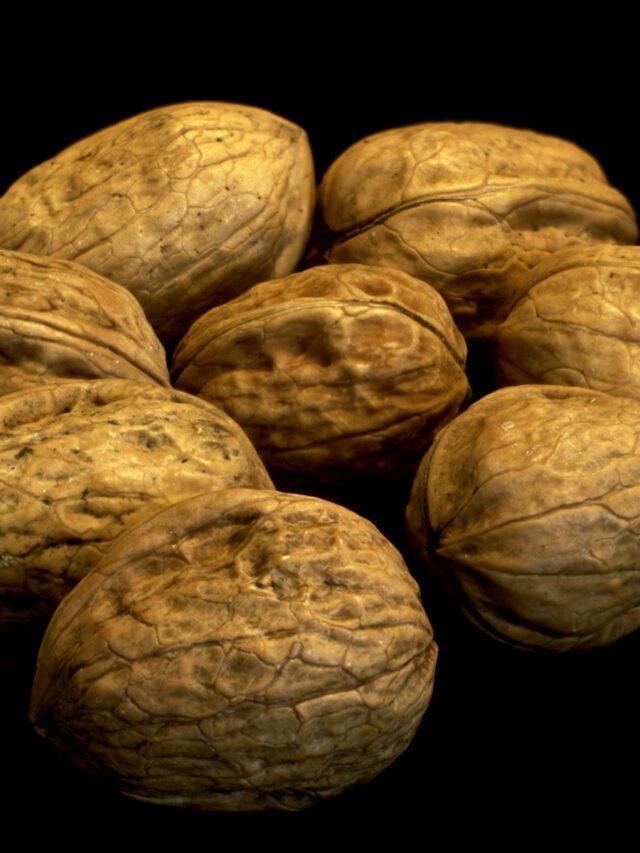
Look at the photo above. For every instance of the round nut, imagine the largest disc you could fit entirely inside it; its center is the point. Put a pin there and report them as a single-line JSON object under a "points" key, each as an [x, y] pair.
{"points": [[341, 372], [528, 506], [469, 208], [82, 461], [185, 205], [248, 650], [60, 320], [577, 324]]}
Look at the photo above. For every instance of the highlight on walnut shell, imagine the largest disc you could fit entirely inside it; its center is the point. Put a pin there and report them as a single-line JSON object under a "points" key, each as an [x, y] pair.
{"points": [[577, 324], [185, 205], [60, 320], [82, 462], [528, 506], [246, 650], [468, 207], [341, 374]]}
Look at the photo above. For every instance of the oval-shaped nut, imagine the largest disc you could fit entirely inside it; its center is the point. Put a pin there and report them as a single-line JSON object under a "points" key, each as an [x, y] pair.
{"points": [[59, 319], [185, 205], [528, 505], [340, 374], [241, 651], [82, 461], [469, 208], [577, 324]]}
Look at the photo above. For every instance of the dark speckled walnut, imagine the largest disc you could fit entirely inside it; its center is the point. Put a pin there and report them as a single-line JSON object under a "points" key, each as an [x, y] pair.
{"points": [[185, 205], [82, 461], [59, 319], [469, 208], [577, 324], [340, 374], [245, 651], [528, 505]]}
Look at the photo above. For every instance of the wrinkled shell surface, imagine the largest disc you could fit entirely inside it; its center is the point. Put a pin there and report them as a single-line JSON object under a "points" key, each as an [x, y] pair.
{"points": [[81, 462], [247, 651], [60, 320], [185, 205], [339, 374], [578, 323], [469, 208], [528, 504]]}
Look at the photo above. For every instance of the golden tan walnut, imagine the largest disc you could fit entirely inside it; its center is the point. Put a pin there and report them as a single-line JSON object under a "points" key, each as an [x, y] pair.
{"points": [[577, 324], [82, 461], [528, 506], [340, 374], [240, 651], [185, 205], [60, 320], [469, 208]]}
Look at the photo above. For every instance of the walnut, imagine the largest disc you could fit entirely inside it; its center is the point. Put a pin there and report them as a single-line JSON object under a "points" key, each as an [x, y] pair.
{"points": [[528, 506], [577, 324], [246, 650], [185, 205], [467, 207], [82, 461], [340, 375], [60, 320]]}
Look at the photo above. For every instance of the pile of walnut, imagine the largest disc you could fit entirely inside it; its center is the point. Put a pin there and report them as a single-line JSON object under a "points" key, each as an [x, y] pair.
{"points": [[217, 643]]}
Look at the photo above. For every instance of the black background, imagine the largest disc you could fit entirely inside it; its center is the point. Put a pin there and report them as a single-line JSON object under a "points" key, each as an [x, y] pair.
{"points": [[515, 745]]}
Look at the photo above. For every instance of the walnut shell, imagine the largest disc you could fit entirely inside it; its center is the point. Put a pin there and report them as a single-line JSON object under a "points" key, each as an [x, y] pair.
{"points": [[82, 461], [577, 324], [246, 650], [60, 320], [528, 505], [469, 208], [340, 374], [185, 205]]}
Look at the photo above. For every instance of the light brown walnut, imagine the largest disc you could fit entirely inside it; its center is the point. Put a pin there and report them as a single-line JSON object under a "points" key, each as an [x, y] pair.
{"points": [[240, 651], [82, 461], [185, 205], [528, 506], [60, 320], [577, 324], [340, 374], [469, 208]]}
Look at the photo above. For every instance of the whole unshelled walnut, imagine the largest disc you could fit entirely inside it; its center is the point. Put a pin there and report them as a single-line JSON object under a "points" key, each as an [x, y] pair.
{"points": [[577, 324], [82, 461], [60, 320], [185, 205], [243, 650], [341, 374], [528, 507], [468, 207]]}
